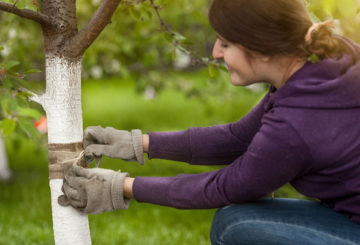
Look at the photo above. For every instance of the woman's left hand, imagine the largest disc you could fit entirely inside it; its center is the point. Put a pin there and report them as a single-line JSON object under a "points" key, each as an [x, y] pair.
{"points": [[93, 190]]}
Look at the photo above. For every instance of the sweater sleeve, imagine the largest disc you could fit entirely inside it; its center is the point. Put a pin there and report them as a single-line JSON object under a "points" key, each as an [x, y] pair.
{"points": [[276, 156], [220, 144]]}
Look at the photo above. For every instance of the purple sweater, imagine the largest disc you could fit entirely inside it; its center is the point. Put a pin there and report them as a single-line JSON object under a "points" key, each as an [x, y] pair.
{"points": [[306, 133]]}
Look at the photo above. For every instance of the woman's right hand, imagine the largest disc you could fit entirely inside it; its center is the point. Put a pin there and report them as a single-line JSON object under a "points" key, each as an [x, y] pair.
{"points": [[114, 143]]}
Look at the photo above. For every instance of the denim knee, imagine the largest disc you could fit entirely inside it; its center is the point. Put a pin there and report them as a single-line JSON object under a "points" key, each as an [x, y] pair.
{"points": [[282, 221], [219, 224]]}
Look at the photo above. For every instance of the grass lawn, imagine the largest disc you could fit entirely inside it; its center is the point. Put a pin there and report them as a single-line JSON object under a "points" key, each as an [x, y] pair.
{"points": [[25, 216]]}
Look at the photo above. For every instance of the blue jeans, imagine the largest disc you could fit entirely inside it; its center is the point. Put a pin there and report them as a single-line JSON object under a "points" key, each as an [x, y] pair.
{"points": [[282, 221]]}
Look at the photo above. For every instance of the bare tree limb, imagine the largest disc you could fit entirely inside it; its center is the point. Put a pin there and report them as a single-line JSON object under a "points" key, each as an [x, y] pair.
{"points": [[28, 14], [81, 41], [37, 98], [33, 96]]}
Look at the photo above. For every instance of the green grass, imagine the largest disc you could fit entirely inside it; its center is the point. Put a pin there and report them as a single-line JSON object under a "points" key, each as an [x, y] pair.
{"points": [[25, 212]]}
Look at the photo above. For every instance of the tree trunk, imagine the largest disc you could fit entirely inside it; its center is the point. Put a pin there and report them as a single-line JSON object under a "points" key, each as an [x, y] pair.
{"points": [[62, 103], [64, 48], [5, 173]]}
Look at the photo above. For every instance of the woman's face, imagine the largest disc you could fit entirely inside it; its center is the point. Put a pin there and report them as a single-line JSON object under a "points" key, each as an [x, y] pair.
{"points": [[244, 70]]}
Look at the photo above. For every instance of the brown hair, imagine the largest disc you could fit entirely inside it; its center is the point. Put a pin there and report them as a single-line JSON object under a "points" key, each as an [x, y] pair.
{"points": [[272, 27]]}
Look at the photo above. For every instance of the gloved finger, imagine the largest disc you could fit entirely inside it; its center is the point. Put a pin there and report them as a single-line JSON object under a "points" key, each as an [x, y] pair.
{"points": [[82, 172], [63, 201], [70, 172], [72, 193], [96, 150], [93, 135], [77, 203]]}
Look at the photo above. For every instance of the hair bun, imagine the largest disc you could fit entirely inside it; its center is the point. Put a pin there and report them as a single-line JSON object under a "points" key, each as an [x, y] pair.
{"points": [[320, 41]]}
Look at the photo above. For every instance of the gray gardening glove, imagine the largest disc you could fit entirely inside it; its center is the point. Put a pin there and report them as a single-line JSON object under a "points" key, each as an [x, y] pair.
{"points": [[113, 143], [93, 190]]}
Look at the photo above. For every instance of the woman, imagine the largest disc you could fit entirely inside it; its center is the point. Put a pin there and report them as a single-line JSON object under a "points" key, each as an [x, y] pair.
{"points": [[304, 131]]}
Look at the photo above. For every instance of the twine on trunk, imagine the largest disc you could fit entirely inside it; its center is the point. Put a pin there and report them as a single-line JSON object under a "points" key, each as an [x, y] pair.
{"points": [[62, 156]]}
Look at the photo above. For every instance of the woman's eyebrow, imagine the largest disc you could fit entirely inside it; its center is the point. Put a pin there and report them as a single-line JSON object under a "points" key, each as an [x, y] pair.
{"points": [[221, 38]]}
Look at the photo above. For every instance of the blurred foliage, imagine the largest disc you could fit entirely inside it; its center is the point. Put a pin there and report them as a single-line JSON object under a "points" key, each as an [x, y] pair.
{"points": [[17, 114], [138, 44], [346, 12]]}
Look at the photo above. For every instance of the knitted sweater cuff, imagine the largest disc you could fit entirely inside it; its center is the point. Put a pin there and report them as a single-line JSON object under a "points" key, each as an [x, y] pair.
{"points": [[138, 145]]}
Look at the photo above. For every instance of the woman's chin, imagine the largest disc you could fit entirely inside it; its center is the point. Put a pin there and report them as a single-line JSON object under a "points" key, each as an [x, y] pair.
{"points": [[236, 81]]}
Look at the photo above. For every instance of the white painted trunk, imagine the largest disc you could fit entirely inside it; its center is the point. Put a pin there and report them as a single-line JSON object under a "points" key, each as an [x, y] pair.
{"points": [[62, 103], [5, 173]]}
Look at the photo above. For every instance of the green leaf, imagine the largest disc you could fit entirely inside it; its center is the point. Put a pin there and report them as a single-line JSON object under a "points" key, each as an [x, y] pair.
{"points": [[22, 102], [205, 60], [28, 128], [179, 37], [213, 71], [223, 67], [31, 71], [8, 126], [1, 48], [28, 112], [12, 104], [7, 83], [24, 94], [182, 49], [10, 64], [314, 58]]}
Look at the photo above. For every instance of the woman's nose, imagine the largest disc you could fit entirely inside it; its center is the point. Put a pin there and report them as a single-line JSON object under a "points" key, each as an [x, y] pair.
{"points": [[217, 52]]}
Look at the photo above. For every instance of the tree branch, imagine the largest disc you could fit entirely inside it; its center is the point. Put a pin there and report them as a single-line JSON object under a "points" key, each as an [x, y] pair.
{"points": [[28, 14], [162, 22], [81, 41], [32, 96]]}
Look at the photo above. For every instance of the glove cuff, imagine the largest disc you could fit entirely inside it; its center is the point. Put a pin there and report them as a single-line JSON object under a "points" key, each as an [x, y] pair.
{"points": [[117, 194], [138, 145]]}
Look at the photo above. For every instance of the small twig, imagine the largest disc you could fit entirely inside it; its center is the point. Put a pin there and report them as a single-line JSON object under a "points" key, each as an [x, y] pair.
{"points": [[198, 60], [162, 22]]}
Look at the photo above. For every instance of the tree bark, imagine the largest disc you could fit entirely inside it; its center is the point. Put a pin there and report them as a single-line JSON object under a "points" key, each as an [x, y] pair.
{"points": [[62, 103]]}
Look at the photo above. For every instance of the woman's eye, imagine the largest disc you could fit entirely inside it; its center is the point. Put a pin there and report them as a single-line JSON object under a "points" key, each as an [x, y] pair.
{"points": [[224, 45]]}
